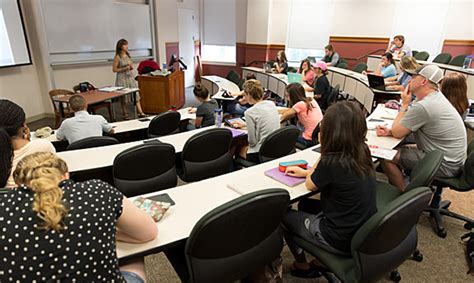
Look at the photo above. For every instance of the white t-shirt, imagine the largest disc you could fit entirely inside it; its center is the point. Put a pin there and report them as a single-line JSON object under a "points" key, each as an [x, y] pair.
{"points": [[31, 147]]}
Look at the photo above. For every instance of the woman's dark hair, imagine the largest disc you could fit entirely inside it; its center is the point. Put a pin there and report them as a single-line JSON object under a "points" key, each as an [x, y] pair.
{"points": [[343, 131], [301, 65], [201, 91], [454, 87], [118, 47], [389, 56], [296, 93], [12, 118], [6, 153]]}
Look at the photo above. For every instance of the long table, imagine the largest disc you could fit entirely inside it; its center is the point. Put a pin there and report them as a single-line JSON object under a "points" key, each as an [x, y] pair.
{"points": [[218, 86], [374, 60]]}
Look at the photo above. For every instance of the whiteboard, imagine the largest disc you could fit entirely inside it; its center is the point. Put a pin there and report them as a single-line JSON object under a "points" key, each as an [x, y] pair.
{"points": [[78, 29]]}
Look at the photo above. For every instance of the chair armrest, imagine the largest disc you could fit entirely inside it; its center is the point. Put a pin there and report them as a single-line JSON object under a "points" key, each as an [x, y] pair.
{"points": [[243, 162]]}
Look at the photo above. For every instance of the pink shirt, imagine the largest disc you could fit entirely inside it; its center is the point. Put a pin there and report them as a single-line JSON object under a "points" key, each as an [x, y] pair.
{"points": [[309, 119], [309, 77]]}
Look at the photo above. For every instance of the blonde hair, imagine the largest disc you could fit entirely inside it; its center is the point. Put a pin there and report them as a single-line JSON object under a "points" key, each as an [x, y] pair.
{"points": [[42, 172], [254, 89], [408, 63]]}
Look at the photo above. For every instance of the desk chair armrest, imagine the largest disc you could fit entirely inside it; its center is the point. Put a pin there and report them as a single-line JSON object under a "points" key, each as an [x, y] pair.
{"points": [[243, 162]]}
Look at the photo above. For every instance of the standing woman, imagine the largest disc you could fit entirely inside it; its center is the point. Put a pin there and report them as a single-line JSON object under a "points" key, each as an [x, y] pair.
{"points": [[454, 87], [281, 64], [123, 66], [306, 71], [306, 109]]}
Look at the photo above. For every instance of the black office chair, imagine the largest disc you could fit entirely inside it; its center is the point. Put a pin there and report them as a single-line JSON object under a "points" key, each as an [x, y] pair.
{"points": [[414, 52], [92, 142], [442, 58], [237, 238], [342, 64], [314, 138], [359, 68], [382, 244], [234, 77], [422, 55], [206, 154], [291, 70], [333, 95], [464, 182], [145, 168], [277, 144], [458, 60], [164, 124]]}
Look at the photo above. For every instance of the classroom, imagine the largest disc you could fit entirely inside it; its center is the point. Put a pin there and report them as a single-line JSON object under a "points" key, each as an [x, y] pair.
{"points": [[236, 140]]}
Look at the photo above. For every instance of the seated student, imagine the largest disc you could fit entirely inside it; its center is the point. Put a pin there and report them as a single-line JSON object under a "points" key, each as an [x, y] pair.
{"points": [[261, 119], [321, 86], [331, 57], [82, 125], [237, 108], [454, 87], [398, 47], [345, 176], [407, 63], [281, 64], [205, 115], [67, 230], [306, 109], [12, 121], [386, 68], [307, 72]]}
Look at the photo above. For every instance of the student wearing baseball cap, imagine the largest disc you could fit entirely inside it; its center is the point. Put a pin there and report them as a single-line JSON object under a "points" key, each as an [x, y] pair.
{"points": [[321, 87], [435, 123]]}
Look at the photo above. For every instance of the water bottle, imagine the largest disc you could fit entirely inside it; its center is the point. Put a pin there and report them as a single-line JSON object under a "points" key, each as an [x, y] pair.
{"points": [[467, 62], [218, 116], [164, 71]]}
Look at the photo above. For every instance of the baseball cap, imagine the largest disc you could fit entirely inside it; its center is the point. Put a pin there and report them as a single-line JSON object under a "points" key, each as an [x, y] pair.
{"points": [[430, 72], [320, 64]]}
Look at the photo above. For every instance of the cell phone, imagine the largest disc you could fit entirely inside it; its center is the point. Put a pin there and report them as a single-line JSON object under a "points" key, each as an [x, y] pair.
{"points": [[162, 198], [144, 119], [231, 122]]}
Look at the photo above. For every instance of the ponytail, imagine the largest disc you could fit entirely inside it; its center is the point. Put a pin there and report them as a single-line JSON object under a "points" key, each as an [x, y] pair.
{"points": [[6, 153], [42, 172]]}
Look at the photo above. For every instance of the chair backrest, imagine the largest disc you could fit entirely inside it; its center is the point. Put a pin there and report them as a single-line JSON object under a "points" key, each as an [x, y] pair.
{"points": [[424, 171], [458, 60], [207, 154], [414, 52], [359, 68], [314, 135], [466, 178], [145, 168], [422, 55], [333, 95], [291, 70], [279, 143], [389, 237], [342, 64], [238, 237], [92, 142], [56, 92], [442, 58], [164, 124], [234, 77]]}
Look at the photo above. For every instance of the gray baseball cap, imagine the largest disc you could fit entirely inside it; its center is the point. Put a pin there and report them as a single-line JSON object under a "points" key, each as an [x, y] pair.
{"points": [[431, 72]]}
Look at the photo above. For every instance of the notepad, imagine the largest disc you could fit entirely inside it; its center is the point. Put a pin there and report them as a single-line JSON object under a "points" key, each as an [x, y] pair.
{"points": [[381, 152], [237, 133], [111, 88], [281, 177]]}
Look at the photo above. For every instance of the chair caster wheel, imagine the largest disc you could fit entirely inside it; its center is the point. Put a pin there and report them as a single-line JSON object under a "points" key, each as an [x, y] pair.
{"points": [[442, 233], [468, 226], [395, 276], [418, 257]]}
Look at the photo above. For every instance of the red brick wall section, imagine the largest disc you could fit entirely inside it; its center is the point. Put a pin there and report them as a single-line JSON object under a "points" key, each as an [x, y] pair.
{"points": [[352, 48]]}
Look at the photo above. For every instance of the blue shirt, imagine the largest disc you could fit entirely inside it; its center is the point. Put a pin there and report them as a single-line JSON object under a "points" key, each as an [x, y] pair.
{"points": [[389, 71], [81, 126], [404, 78]]}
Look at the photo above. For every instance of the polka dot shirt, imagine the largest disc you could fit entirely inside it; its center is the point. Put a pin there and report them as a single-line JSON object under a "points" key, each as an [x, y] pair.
{"points": [[84, 251]]}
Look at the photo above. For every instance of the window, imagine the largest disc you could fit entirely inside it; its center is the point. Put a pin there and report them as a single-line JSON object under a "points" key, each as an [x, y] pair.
{"points": [[218, 53], [295, 55]]}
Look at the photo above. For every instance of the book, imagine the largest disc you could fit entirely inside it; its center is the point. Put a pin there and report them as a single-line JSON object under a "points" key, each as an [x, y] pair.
{"points": [[111, 88], [281, 177], [237, 133], [380, 152]]}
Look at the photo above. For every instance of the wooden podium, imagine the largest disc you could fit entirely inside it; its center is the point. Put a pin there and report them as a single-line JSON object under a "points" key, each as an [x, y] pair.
{"points": [[159, 93]]}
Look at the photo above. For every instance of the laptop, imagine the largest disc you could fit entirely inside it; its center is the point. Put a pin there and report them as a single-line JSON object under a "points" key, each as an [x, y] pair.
{"points": [[294, 78], [312, 59], [378, 82], [267, 67]]}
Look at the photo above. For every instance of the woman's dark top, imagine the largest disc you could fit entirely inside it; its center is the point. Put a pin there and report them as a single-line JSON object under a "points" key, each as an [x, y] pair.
{"points": [[322, 87], [83, 251], [347, 201]]}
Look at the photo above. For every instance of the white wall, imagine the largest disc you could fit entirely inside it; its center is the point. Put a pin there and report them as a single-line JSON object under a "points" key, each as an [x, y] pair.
{"points": [[460, 20], [257, 21], [241, 20], [277, 21]]}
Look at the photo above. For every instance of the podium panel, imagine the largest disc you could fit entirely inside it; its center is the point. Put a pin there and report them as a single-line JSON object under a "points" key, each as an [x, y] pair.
{"points": [[159, 93]]}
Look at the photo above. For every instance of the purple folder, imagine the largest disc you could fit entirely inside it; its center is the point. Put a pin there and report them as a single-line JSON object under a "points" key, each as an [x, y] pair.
{"points": [[276, 174], [236, 133]]}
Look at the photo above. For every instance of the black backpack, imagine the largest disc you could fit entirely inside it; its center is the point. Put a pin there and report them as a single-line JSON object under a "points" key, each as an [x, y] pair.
{"points": [[469, 249]]}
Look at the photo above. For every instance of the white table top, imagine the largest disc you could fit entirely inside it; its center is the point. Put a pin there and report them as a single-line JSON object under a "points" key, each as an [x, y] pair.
{"points": [[194, 200], [386, 117], [223, 85], [130, 125]]}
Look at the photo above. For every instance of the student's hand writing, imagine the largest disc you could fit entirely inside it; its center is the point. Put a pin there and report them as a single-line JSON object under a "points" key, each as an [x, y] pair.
{"points": [[237, 125], [192, 110], [382, 130], [296, 171]]}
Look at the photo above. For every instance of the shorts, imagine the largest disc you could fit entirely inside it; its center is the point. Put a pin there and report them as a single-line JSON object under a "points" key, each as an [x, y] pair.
{"points": [[131, 277], [410, 155]]}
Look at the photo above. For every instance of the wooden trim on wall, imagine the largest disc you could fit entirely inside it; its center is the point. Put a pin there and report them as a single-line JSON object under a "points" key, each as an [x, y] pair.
{"points": [[359, 39], [260, 46], [171, 44], [463, 42]]}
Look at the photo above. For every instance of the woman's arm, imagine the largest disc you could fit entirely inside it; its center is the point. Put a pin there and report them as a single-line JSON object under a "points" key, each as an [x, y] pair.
{"points": [[288, 114], [134, 225], [296, 171], [198, 122], [115, 66]]}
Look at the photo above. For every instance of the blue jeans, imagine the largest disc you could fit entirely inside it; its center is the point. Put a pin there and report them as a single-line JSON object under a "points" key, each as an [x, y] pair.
{"points": [[305, 141], [131, 277]]}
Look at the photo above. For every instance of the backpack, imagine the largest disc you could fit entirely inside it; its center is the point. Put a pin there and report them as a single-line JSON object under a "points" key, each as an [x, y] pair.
{"points": [[469, 249], [85, 86]]}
